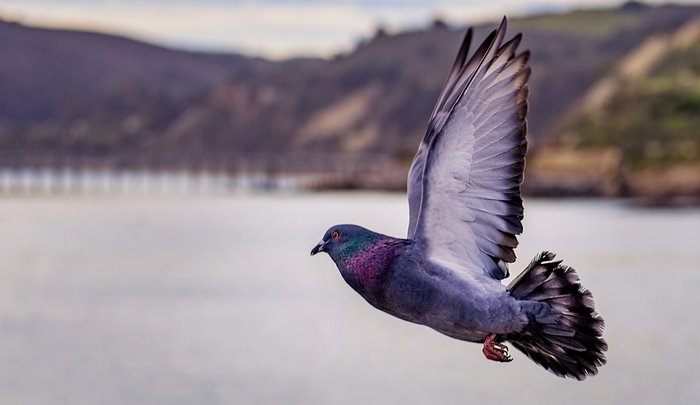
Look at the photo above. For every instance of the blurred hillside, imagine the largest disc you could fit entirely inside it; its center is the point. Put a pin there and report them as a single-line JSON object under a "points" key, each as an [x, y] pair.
{"points": [[637, 131], [79, 98]]}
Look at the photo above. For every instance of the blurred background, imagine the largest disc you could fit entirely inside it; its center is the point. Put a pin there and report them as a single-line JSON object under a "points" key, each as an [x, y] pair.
{"points": [[166, 166]]}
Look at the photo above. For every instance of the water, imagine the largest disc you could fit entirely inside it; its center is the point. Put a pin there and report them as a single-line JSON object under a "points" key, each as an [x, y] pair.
{"points": [[215, 300]]}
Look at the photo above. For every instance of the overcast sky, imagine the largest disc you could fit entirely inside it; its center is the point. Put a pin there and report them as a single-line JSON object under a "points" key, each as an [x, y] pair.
{"points": [[272, 28]]}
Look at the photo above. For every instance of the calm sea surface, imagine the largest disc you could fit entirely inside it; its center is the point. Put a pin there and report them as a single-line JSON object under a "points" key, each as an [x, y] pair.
{"points": [[215, 300]]}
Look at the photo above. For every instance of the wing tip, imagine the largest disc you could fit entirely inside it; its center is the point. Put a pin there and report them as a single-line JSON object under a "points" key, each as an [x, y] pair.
{"points": [[463, 50]]}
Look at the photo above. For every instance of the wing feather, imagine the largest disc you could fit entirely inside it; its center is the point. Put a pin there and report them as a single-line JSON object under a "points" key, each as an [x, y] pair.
{"points": [[457, 81], [464, 183]]}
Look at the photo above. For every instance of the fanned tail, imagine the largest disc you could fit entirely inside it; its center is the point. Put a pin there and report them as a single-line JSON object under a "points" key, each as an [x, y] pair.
{"points": [[565, 333]]}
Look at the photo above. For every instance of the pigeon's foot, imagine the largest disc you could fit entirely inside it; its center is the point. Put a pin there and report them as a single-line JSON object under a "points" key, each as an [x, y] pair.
{"points": [[495, 351]]}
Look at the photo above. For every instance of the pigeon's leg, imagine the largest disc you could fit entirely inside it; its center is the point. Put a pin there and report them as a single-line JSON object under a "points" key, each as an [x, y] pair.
{"points": [[495, 351]]}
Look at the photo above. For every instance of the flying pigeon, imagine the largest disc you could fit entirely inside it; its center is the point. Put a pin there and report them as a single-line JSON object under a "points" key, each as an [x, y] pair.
{"points": [[465, 212]]}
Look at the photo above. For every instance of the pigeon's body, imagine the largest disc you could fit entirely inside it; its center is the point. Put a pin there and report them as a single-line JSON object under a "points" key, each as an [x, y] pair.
{"points": [[429, 294], [465, 212], [393, 276]]}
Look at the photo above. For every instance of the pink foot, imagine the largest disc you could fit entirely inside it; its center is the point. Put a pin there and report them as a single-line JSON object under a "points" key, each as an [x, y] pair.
{"points": [[495, 351]]}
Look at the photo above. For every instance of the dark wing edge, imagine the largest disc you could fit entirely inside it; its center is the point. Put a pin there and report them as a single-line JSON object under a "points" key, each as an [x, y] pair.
{"points": [[415, 173], [458, 79]]}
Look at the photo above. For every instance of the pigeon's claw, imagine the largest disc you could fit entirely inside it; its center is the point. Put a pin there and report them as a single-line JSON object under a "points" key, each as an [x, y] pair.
{"points": [[495, 351]]}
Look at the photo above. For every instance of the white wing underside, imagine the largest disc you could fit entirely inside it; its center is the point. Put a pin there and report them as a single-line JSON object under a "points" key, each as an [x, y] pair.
{"points": [[464, 183]]}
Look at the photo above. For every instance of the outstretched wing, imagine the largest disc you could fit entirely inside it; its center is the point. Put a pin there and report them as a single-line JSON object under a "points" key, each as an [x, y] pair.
{"points": [[464, 183]]}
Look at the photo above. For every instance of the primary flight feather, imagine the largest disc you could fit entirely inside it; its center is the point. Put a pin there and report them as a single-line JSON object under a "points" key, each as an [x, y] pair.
{"points": [[465, 212]]}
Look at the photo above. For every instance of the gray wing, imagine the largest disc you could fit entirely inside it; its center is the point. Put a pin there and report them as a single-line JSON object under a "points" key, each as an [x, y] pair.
{"points": [[436, 122], [464, 183]]}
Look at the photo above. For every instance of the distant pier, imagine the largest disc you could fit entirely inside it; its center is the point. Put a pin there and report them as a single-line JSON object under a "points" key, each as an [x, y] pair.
{"points": [[269, 172]]}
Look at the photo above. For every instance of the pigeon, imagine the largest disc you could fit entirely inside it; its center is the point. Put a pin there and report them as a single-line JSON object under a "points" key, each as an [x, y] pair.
{"points": [[465, 212]]}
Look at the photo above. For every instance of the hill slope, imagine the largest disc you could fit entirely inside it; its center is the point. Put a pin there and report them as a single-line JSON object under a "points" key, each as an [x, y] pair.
{"points": [[70, 96], [648, 125], [66, 89]]}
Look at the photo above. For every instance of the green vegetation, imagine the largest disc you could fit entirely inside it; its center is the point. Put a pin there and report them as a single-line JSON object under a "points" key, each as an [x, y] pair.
{"points": [[590, 23], [654, 120]]}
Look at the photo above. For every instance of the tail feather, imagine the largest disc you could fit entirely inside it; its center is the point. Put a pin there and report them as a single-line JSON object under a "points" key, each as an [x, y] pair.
{"points": [[565, 335]]}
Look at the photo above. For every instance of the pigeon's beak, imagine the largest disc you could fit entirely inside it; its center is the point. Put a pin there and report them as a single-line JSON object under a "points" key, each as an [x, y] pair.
{"points": [[318, 248]]}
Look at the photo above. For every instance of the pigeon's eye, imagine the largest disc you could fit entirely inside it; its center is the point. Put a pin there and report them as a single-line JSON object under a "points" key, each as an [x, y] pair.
{"points": [[335, 234]]}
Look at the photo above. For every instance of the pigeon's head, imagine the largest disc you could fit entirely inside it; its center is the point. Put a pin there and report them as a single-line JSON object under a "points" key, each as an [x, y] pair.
{"points": [[343, 240]]}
